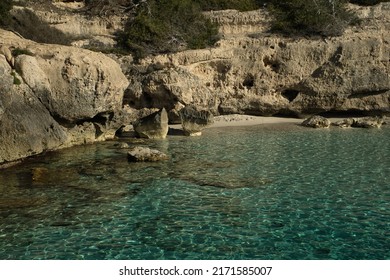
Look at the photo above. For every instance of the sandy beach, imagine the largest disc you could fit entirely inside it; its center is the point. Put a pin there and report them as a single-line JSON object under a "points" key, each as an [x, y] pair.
{"points": [[244, 120], [247, 120]]}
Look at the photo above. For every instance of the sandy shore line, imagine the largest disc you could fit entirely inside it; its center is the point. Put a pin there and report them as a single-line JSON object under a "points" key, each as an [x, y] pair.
{"points": [[246, 120]]}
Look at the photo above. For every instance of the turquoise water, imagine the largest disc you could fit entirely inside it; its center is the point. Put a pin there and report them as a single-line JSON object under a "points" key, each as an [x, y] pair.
{"points": [[264, 192]]}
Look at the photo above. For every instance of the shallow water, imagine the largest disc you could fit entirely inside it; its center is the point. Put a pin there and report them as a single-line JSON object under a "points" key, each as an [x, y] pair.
{"points": [[262, 192]]}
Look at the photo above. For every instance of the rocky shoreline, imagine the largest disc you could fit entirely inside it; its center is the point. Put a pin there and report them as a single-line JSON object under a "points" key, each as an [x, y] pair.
{"points": [[54, 96]]}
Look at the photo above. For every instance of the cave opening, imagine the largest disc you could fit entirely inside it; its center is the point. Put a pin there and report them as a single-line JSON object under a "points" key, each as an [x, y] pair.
{"points": [[249, 81], [290, 94]]}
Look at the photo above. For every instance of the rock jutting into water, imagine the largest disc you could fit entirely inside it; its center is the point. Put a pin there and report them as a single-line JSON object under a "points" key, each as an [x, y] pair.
{"points": [[365, 122], [55, 97], [194, 120], [143, 154], [368, 122], [153, 126], [316, 122]]}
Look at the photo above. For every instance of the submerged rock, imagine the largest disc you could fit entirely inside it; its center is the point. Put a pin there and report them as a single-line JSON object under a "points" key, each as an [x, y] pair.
{"points": [[142, 154], [154, 126], [316, 122], [194, 120], [231, 183]]}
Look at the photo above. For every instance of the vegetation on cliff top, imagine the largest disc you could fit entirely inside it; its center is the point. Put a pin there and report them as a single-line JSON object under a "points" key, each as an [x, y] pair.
{"points": [[162, 26]]}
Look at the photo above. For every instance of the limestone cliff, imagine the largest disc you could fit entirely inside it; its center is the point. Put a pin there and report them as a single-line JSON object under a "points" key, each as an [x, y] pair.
{"points": [[254, 72], [55, 97]]}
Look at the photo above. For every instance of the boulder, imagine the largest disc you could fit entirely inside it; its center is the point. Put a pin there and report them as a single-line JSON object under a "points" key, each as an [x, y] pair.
{"points": [[153, 126], [316, 122], [194, 120], [368, 122], [143, 154], [56, 97]]}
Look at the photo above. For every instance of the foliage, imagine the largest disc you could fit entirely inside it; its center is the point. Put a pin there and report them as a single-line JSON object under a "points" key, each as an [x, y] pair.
{"points": [[317, 17], [241, 5], [16, 79], [162, 26], [19, 51], [5, 7]]}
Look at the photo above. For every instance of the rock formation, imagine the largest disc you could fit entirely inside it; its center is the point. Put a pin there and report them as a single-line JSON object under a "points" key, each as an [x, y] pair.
{"points": [[194, 120], [153, 126], [56, 97], [316, 122]]}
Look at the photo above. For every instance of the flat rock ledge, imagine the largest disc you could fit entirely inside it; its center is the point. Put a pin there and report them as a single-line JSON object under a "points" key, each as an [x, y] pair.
{"points": [[143, 154]]}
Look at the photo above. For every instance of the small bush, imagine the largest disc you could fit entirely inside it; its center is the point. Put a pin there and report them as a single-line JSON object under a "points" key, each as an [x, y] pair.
{"points": [[321, 17], [16, 79], [241, 5], [18, 51], [162, 26]]}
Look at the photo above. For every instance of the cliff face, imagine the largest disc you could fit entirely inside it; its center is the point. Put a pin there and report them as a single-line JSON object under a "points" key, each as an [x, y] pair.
{"points": [[252, 72], [55, 97]]}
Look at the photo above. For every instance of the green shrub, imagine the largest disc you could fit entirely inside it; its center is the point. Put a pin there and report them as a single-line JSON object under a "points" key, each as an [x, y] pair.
{"points": [[241, 5], [5, 7], [19, 51], [321, 17], [16, 79], [162, 26]]}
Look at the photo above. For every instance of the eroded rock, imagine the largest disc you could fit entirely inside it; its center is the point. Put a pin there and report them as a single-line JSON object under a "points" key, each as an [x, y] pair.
{"points": [[316, 122], [194, 120], [57, 96], [153, 126], [368, 122]]}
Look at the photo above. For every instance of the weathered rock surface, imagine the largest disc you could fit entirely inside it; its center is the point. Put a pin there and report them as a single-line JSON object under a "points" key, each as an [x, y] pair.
{"points": [[364, 122], [75, 24], [259, 73], [194, 120], [57, 97], [153, 126], [143, 154], [26, 126], [316, 122], [368, 122]]}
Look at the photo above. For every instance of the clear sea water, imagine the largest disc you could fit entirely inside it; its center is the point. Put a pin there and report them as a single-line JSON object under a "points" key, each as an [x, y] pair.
{"points": [[262, 192]]}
